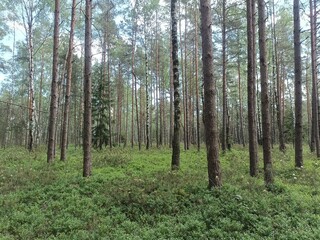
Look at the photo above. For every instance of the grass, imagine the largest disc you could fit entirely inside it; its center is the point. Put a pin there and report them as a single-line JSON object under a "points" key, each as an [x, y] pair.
{"points": [[134, 195]]}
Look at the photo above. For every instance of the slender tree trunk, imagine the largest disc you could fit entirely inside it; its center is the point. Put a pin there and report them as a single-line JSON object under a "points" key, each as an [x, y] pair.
{"points": [[309, 112], [31, 101], [314, 69], [197, 81], [65, 126], [224, 80], [240, 96], [297, 85], [209, 108], [252, 125], [175, 163], [171, 96], [137, 111], [109, 89], [54, 86], [266, 129], [134, 35], [119, 105], [147, 102], [87, 91], [186, 100]]}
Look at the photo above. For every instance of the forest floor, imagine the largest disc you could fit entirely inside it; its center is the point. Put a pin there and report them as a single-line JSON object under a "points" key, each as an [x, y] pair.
{"points": [[134, 195]]}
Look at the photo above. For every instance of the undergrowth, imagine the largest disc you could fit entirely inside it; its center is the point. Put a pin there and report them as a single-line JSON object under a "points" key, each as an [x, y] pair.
{"points": [[134, 195]]}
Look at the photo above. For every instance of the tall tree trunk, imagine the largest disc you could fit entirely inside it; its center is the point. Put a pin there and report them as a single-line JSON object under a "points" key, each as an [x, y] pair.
{"points": [[31, 101], [185, 79], [133, 43], [171, 96], [252, 124], [87, 91], [276, 73], [240, 95], [65, 122], [39, 133], [309, 111], [224, 80], [266, 129], [137, 111], [147, 102], [54, 86], [314, 69], [175, 163], [197, 81], [297, 85], [209, 108]]}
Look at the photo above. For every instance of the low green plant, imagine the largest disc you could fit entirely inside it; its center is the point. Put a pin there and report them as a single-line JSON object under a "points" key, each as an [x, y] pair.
{"points": [[134, 195]]}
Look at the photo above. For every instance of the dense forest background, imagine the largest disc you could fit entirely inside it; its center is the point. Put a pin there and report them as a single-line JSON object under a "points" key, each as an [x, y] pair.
{"points": [[132, 80], [126, 84]]}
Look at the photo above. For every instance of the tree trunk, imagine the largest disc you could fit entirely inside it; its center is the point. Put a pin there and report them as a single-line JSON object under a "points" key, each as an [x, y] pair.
{"points": [[266, 129], [54, 85], [171, 97], [87, 91], [241, 137], [209, 108], [65, 126], [314, 68], [147, 102], [197, 81], [224, 80], [252, 125], [185, 79], [175, 163], [297, 85], [134, 35]]}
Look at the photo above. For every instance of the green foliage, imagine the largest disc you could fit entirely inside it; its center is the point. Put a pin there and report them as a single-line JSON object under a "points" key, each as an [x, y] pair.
{"points": [[134, 195]]}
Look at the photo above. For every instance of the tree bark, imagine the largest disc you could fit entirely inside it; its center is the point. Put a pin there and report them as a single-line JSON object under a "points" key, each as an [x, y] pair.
{"points": [[197, 81], [175, 163], [65, 122], [224, 80], [266, 129], [209, 108], [87, 91], [314, 69], [297, 85], [54, 86], [252, 124]]}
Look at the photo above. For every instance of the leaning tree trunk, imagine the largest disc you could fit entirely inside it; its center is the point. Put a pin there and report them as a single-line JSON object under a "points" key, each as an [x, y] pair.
{"points": [[297, 85], [54, 86], [87, 117], [209, 108], [265, 113], [64, 137], [175, 163]]}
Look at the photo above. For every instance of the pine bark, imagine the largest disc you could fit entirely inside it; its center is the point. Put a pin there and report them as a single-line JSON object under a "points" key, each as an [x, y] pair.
{"points": [[64, 140], [54, 86], [175, 163], [252, 124], [197, 82], [87, 91], [224, 81], [282, 146], [314, 69], [209, 108], [297, 85], [265, 112]]}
